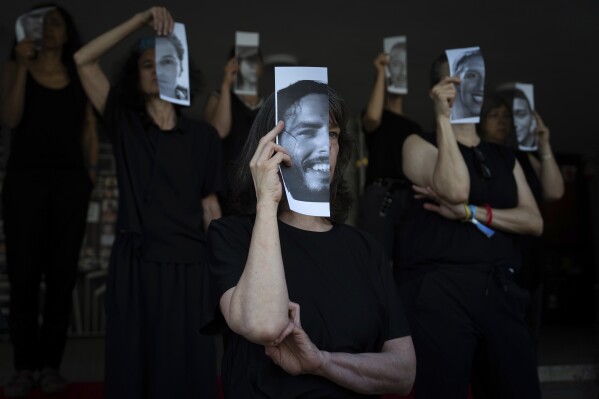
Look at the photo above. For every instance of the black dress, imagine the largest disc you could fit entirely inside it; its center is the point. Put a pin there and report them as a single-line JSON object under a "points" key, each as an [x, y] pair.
{"points": [[345, 291], [45, 196], [158, 263], [458, 288]]}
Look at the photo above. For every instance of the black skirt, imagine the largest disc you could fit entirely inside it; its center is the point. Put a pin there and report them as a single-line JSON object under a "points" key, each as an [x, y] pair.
{"points": [[153, 345]]}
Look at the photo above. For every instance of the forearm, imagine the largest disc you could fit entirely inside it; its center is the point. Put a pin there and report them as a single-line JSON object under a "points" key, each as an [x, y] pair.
{"points": [[221, 116], [519, 220], [259, 305], [210, 210], [374, 110], [14, 99], [369, 373], [450, 179], [550, 175]]}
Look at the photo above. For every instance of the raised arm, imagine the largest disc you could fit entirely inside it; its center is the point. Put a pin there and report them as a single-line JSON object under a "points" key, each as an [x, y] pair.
{"points": [[257, 307], [374, 112], [218, 109], [14, 78], [90, 144], [546, 168], [442, 168], [92, 76]]}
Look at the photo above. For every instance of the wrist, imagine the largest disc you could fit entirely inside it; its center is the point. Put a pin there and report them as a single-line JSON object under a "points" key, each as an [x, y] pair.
{"points": [[325, 359], [267, 208]]}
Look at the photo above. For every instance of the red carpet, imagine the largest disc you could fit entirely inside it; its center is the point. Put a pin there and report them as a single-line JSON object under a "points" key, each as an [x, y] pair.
{"points": [[95, 390]]}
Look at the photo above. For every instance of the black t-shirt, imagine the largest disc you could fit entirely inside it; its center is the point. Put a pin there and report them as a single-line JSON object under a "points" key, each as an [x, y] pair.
{"points": [[348, 303], [51, 129], [384, 146], [162, 177], [242, 119], [434, 240]]}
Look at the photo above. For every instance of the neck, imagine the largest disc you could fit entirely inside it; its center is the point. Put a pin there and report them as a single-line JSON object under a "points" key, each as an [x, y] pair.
{"points": [[304, 222], [162, 112], [50, 58], [466, 134], [394, 103], [251, 100]]}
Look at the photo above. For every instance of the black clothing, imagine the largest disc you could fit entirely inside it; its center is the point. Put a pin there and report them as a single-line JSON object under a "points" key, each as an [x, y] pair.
{"points": [[384, 146], [158, 261], [51, 129], [346, 295], [45, 196], [434, 239], [162, 178], [242, 119], [458, 288], [383, 205], [531, 177], [44, 214]]}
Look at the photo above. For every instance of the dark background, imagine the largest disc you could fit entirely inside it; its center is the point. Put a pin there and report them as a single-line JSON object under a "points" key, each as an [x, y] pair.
{"points": [[552, 44]]}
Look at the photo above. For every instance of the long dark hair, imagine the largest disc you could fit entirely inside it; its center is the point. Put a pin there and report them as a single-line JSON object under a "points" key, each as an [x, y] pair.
{"points": [[243, 200], [71, 46], [126, 83]]}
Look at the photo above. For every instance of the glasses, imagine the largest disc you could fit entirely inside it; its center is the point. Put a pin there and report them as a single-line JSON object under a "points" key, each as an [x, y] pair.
{"points": [[481, 164]]}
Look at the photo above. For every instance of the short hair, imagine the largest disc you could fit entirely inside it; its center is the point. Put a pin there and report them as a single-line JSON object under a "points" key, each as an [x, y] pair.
{"points": [[289, 96], [494, 100], [243, 199], [435, 70]]}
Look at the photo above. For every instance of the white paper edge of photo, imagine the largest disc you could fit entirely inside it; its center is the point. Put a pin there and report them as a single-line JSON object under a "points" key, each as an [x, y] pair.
{"points": [[451, 55], [179, 31], [528, 90], [389, 42], [247, 39], [285, 76], [19, 30]]}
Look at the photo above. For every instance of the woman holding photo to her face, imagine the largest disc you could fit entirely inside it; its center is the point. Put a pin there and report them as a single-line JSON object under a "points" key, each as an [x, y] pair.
{"points": [[168, 170], [309, 302], [49, 177]]}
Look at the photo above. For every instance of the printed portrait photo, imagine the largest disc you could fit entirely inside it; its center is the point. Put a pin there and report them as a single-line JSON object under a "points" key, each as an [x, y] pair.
{"points": [[247, 51], [468, 65], [31, 25], [397, 66], [525, 123], [172, 66], [302, 102]]}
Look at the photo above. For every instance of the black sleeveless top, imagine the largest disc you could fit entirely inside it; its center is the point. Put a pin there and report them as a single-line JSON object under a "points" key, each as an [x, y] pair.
{"points": [[434, 240], [51, 129]]}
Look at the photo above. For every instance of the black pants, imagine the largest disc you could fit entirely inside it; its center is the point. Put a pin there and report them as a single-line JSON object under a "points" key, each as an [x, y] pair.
{"points": [[455, 313], [44, 221], [381, 213]]}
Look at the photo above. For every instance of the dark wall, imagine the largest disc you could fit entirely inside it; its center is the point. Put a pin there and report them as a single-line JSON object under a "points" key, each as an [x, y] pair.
{"points": [[552, 44]]}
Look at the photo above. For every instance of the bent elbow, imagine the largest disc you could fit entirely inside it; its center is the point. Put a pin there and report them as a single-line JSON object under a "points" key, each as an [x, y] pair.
{"points": [[538, 227], [78, 58], [260, 333], [407, 383], [456, 195]]}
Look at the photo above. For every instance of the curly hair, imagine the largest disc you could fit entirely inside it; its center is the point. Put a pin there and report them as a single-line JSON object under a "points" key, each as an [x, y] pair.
{"points": [[243, 200]]}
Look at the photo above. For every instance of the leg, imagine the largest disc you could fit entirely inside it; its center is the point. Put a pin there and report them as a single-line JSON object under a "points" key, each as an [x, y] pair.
{"points": [[444, 335], [70, 198], [25, 209]]}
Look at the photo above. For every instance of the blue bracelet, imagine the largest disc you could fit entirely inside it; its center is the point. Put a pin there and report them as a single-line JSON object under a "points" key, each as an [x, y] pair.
{"points": [[483, 229]]}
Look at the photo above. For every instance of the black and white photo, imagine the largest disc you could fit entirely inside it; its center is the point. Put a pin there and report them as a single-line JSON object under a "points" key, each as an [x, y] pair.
{"points": [[31, 25], [468, 65], [397, 66], [247, 51], [525, 124], [172, 66], [302, 102]]}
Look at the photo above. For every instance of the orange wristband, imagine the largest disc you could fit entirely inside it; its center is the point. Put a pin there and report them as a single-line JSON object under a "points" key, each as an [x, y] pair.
{"points": [[490, 214]]}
